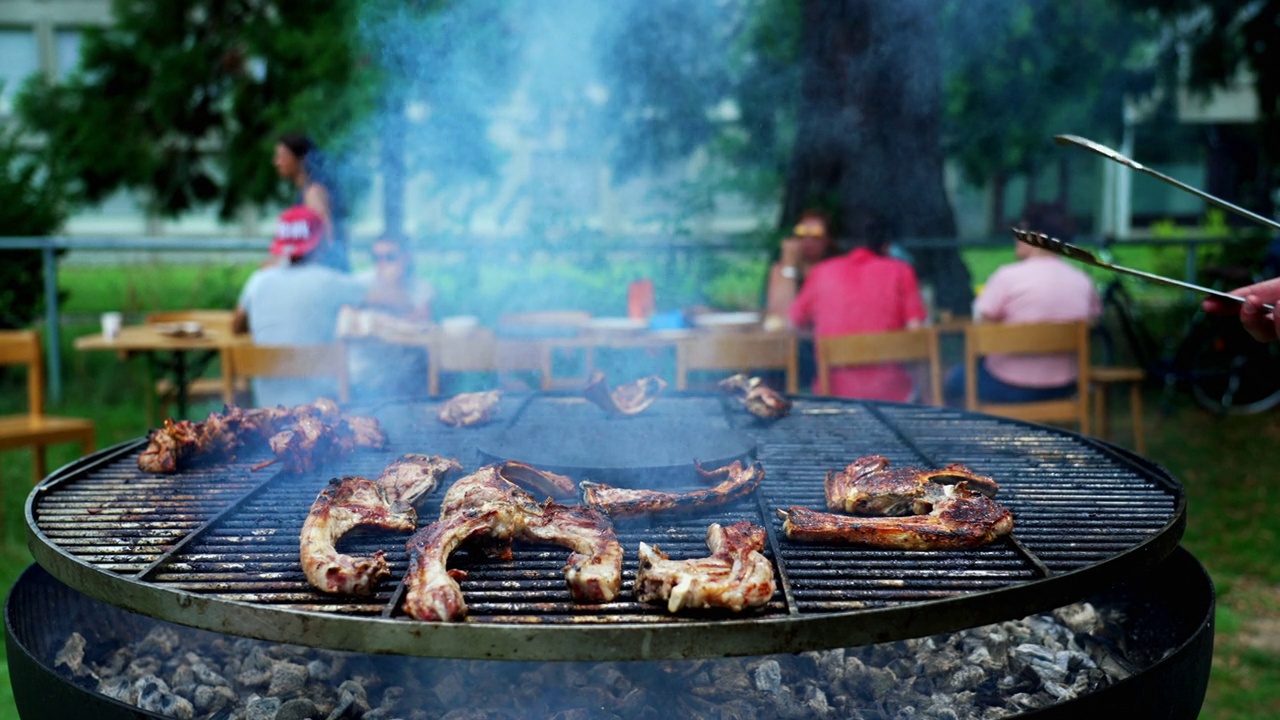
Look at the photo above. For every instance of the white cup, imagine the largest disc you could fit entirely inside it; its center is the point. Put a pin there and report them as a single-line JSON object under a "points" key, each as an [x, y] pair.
{"points": [[111, 322]]}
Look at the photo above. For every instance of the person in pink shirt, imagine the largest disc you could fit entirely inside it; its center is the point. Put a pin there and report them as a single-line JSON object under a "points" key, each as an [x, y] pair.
{"points": [[862, 291], [1040, 287]]}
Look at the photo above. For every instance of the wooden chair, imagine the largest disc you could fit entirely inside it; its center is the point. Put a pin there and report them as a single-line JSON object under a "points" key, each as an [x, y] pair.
{"points": [[984, 339], [529, 343], [738, 352], [243, 362], [34, 429], [209, 387], [1102, 379], [919, 345], [471, 351]]}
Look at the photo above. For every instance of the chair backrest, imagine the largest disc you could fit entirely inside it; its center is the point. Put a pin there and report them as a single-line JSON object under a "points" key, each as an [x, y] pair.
{"points": [[22, 347], [738, 352], [982, 339], [285, 361], [918, 345], [555, 318], [217, 320], [471, 351]]}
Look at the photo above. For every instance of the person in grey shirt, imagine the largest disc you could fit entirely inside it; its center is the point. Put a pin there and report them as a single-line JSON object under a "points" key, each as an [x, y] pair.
{"points": [[295, 302]]}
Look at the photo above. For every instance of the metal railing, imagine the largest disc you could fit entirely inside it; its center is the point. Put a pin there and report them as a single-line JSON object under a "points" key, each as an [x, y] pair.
{"points": [[474, 250]]}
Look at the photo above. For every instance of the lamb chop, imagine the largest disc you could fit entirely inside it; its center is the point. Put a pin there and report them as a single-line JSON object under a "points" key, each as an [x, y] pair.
{"points": [[486, 507], [627, 399], [734, 576], [957, 518], [540, 481], [350, 502], [758, 398], [868, 486], [623, 502], [467, 409]]}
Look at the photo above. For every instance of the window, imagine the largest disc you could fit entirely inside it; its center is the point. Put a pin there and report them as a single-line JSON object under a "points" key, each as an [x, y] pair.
{"points": [[19, 59], [67, 43]]}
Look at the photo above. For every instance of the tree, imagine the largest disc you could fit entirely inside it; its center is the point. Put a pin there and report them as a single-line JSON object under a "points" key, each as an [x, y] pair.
{"points": [[1213, 41], [1021, 71], [183, 101], [30, 205]]}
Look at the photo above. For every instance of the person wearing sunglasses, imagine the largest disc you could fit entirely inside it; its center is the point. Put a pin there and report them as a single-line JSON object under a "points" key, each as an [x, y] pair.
{"points": [[394, 294]]}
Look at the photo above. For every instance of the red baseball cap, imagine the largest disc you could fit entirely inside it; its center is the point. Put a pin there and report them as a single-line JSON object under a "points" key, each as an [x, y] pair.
{"points": [[298, 232]]}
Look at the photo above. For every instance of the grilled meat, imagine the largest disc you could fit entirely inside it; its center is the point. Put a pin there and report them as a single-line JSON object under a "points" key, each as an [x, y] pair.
{"points": [[349, 502], [538, 481], [627, 399], [734, 576], [622, 502], [957, 518], [487, 509], [758, 398], [316, 428], [467, 409], [868, 486]]}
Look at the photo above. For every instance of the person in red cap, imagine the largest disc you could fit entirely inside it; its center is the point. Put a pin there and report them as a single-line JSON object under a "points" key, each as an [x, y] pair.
{"points": [[295, 302]]}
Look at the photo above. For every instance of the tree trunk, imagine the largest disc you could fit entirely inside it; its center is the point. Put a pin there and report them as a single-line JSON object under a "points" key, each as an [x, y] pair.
{"points": [[869, 134], [997, 217]]}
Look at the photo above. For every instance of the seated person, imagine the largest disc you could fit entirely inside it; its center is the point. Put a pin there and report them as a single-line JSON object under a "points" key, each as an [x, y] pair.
{"points": [[1040, 287], [380, 369], [810, 243], [863, 291], [295, 302]]}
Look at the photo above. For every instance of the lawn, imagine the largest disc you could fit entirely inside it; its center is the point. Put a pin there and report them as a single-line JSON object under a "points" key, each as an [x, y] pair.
{"points": [[1226, 464]]}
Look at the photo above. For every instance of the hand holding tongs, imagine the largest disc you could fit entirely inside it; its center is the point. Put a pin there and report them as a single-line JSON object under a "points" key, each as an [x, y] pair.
{"points": [[1054, 245], [1110, 154]]}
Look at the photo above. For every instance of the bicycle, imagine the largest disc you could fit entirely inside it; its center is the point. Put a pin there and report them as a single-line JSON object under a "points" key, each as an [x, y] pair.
{"points": [[1225, 370]]}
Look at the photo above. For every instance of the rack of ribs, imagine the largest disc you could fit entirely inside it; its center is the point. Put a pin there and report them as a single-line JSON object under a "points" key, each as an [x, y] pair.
{"points": [[350, 502], [488, 509], [623, 502], [735, 576]]}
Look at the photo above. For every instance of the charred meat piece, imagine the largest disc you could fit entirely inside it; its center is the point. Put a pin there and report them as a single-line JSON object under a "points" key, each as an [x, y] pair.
{"points": [[467, 409], [734, 576], [486, 510], [758, 398], [868, 486], [538, 481], [350, 502], [170, 446], [627, 399], [623, 502], [958, 518]]}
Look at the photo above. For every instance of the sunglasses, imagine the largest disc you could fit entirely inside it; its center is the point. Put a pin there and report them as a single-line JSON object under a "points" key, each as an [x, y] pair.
{"points": [[810, 231], [386, 256]]}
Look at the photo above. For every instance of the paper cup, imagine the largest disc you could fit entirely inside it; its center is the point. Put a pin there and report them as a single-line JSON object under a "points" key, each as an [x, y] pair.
{"points": [[111, 322]]}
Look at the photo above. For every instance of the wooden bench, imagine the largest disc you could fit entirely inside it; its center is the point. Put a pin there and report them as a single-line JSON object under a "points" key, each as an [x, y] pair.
{"points": [[34, 429]]}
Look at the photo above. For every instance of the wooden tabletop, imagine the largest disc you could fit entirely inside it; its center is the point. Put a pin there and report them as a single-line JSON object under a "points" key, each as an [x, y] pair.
{"points": [[149, 338]]}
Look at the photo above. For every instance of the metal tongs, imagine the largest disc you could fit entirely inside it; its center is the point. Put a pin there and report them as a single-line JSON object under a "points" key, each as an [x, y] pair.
{"points": [[1110, 154], [1079, 254]]}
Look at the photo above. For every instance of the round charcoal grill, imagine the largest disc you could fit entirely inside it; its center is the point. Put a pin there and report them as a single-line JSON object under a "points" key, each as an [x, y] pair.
{"points": [[216, 546]]}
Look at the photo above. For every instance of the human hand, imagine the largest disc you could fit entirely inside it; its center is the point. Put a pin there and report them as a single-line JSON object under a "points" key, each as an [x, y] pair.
{"points": [[1261, 324], [791, 252]]}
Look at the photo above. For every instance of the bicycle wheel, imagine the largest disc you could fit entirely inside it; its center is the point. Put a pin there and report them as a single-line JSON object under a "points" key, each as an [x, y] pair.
{"points": [[1228, 372]]}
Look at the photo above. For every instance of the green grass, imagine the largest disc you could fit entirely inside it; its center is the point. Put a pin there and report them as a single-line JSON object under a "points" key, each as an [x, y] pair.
{"points": [[1227, 465]]}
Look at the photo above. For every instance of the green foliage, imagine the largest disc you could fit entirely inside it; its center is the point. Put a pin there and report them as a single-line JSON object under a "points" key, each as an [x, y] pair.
{"points": [[30, 205]]}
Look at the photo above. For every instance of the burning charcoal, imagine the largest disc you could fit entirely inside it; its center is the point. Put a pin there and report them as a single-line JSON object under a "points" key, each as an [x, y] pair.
{"points": [[768, 677], [162, 641], [262, 708], [154, 696], [1080, 617], [319, 670], [119, 688], [209, 699], [72, 656], [142, 667], [203, 672], [297, 709], [1048, 665], [287, 679], [256, 669], [965, 677], [450, 692]]}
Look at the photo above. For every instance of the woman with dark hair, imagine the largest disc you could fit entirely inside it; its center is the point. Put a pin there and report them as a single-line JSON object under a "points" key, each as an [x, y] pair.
{"points": [[298, 161]]}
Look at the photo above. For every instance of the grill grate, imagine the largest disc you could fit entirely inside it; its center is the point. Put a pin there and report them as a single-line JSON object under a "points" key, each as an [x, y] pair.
{"points": [[224, 540]]}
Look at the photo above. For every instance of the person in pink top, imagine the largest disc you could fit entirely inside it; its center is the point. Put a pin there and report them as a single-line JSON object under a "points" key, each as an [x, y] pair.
{"points": [[862, 291], [1040, 287]]}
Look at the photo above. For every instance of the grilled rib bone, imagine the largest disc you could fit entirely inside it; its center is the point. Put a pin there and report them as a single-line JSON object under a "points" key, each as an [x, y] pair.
{"points": [[350, 502], [868, 486], [622, 502], [735, 576]]}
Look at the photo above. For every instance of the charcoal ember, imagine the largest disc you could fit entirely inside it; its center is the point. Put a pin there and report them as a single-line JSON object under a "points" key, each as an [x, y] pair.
{"points": [[297, 709], [119, 688], [1047, 664], [287, 679], [142, 667], [730, 678], [738, 709], [115, 662], [71, 656], [814, 701], [353, 701], [153, 695], [391, 697], [161, 640], [768, 677], [472, 714], [965, 677], [262, 708], [209, 699], [1079, 617], [203, 672], [320, 669], [940, 707], [450, 692], [613, 680], [631, 704], [255, 670]]}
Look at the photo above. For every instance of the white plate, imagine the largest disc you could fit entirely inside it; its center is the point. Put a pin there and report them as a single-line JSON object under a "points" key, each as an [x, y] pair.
{"points": [[725, 319], [459, 323], [617, 324]]}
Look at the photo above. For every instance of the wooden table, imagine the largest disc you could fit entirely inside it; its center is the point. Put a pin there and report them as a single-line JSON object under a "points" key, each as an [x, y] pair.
{"points": [[167, 354]]}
